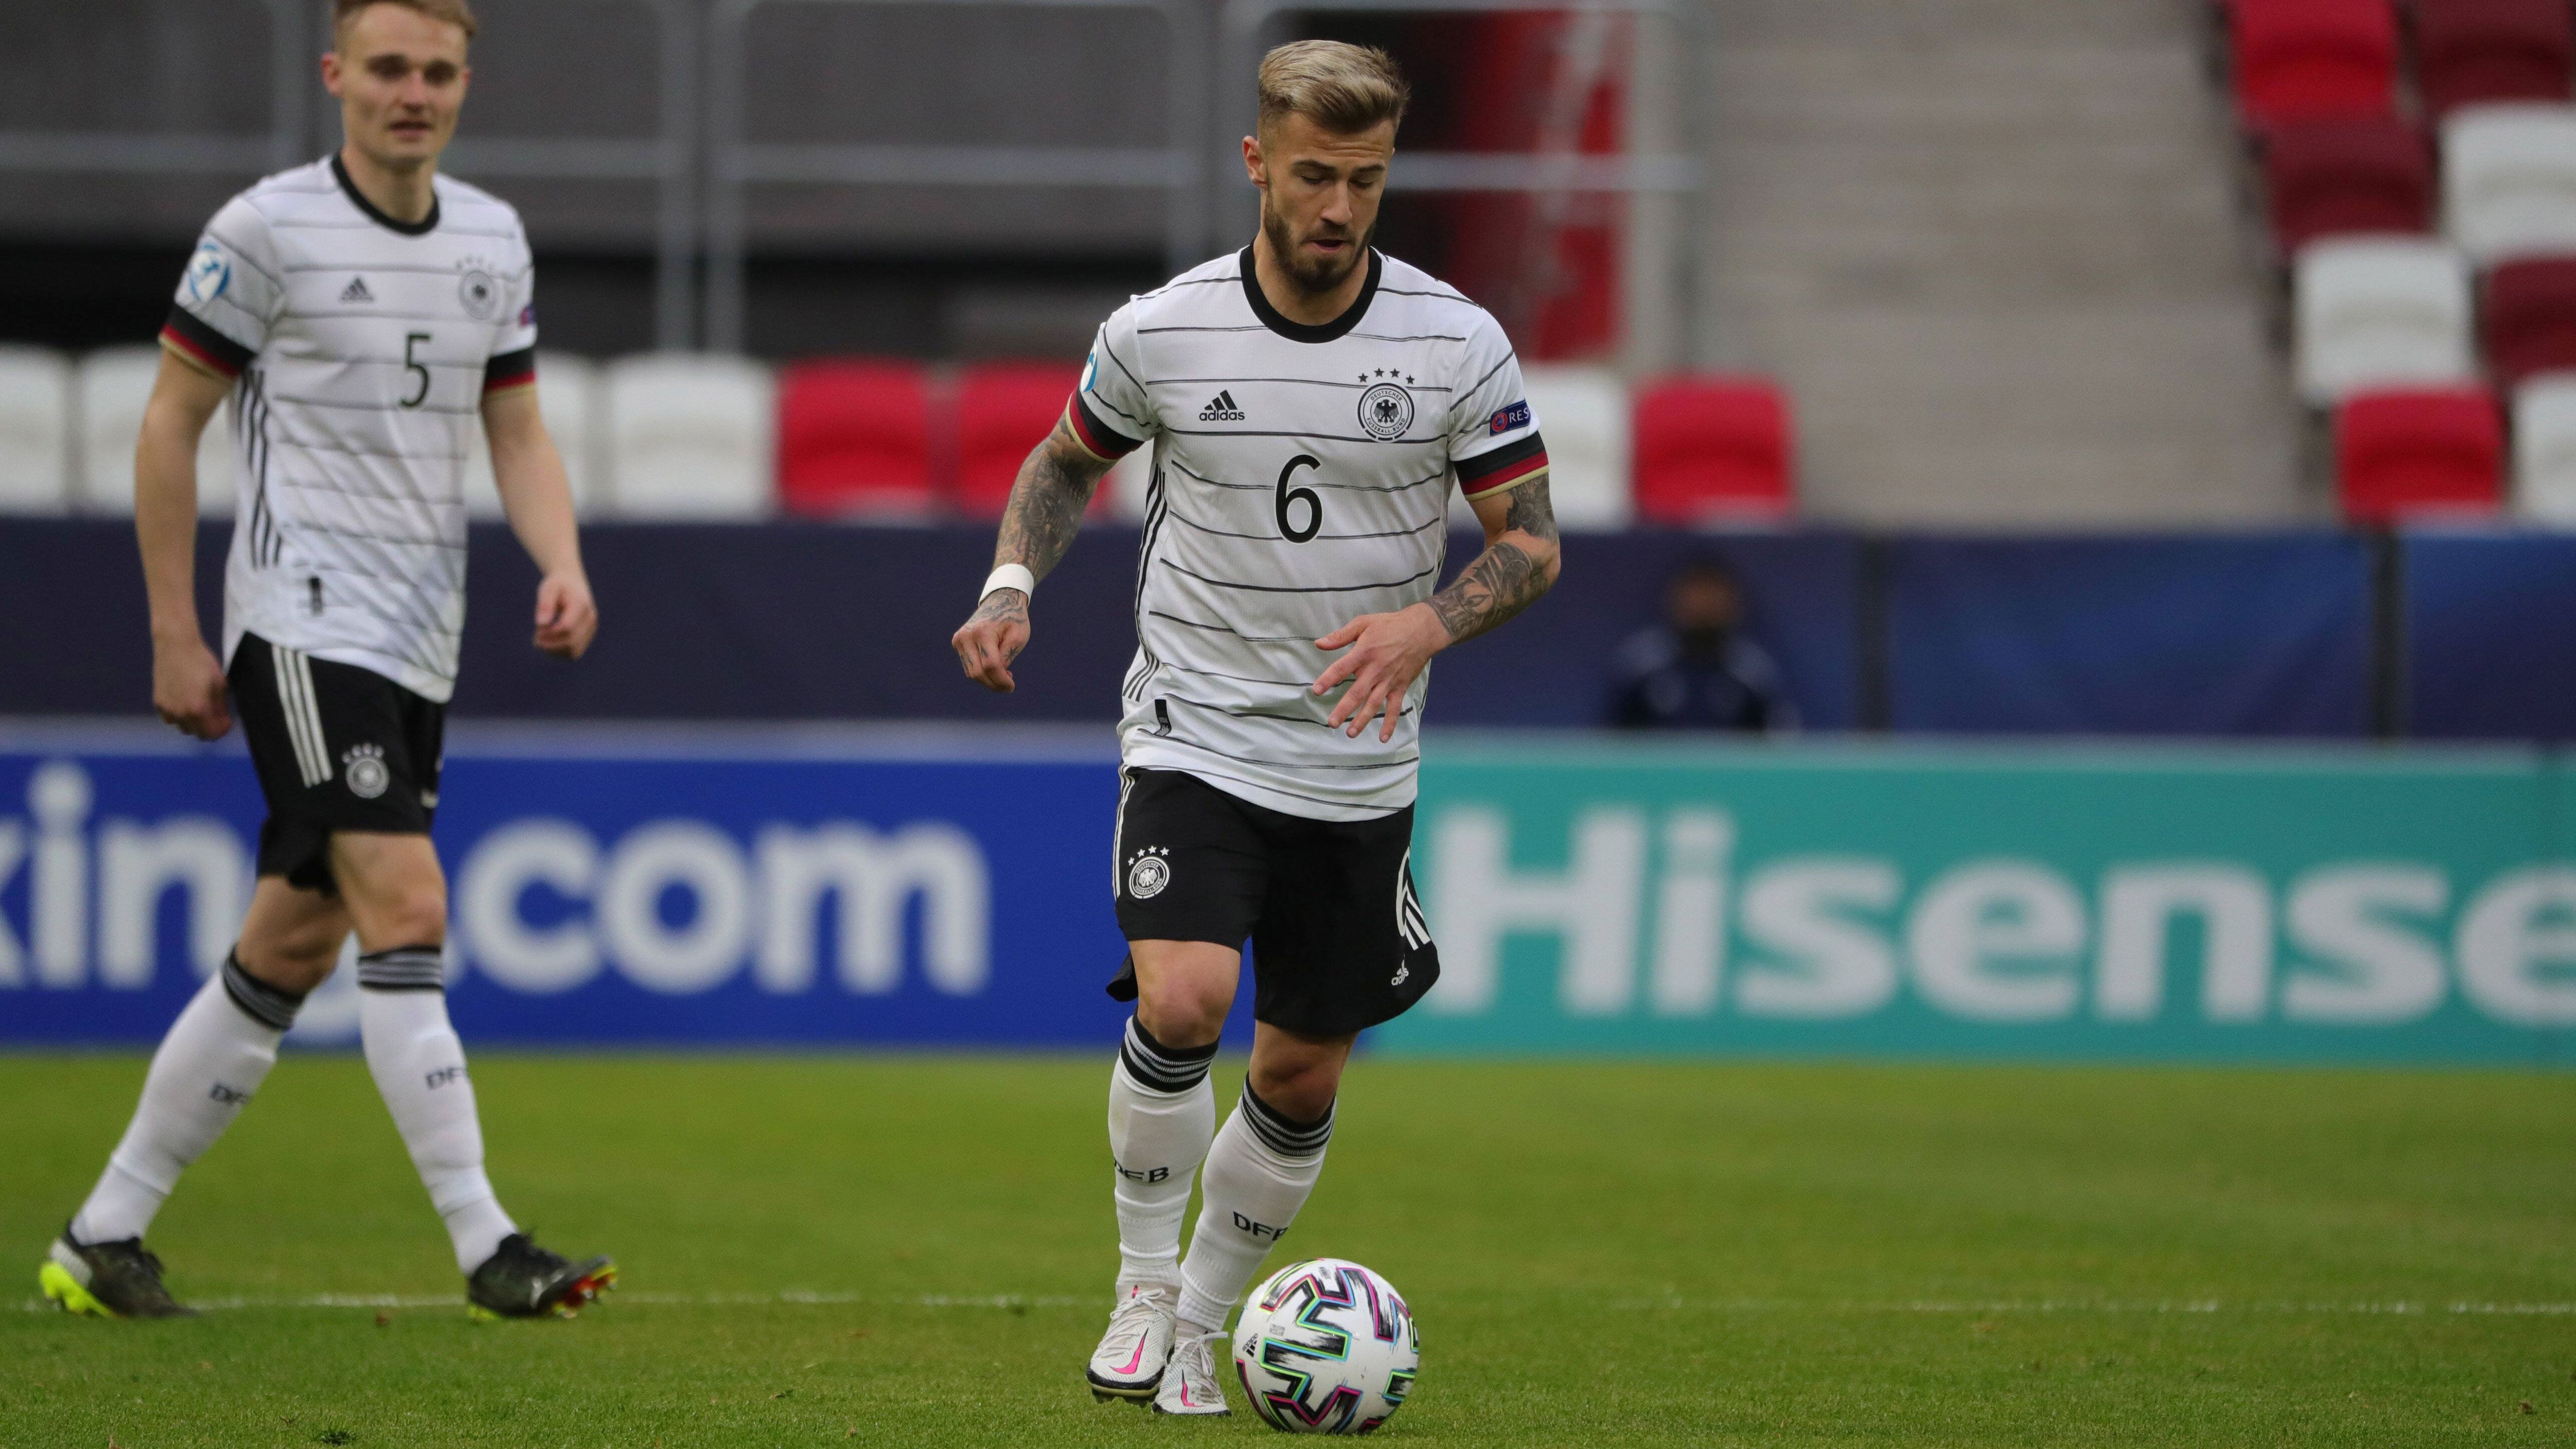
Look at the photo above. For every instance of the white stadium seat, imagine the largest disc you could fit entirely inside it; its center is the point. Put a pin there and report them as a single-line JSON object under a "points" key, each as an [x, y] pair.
{"points": [[111, 389], [2544, 449], [568, 399], [2376, 312], [35, 430], [2509, 180], [1583, 413], [690, 436]]}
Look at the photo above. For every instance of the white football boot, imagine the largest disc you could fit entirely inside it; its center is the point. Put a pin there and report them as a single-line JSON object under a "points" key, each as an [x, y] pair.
{"points": [[1129, 1362], [1190, 1383]]}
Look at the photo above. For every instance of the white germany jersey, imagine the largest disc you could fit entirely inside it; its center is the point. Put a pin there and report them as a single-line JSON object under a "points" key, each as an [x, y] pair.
{"points": [[1301, 478], [361, 348]]}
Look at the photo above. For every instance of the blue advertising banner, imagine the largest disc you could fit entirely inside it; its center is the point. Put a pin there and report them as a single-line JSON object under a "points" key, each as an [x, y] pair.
{"points": [[769, 886], [851, 887]]}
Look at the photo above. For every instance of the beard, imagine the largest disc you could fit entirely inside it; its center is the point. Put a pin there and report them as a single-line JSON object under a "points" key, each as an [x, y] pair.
{"points": [[1321, 275]]}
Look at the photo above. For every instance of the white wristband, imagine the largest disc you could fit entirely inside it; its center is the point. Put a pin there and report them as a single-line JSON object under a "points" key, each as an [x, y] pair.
{"points": [[1010, 576]]}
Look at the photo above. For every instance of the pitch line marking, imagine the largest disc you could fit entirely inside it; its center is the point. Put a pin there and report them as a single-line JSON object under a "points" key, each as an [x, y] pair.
{"points": [[2204, 1306], [2394, 1308], [684, 1300]]}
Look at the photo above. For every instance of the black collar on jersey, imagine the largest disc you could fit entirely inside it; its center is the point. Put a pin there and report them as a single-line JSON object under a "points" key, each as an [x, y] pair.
{"points": [[422, 227], [1310, 331]]}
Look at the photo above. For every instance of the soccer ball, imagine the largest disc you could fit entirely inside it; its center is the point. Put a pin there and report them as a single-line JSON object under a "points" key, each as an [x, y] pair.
{"points": [[1326, 1347]]}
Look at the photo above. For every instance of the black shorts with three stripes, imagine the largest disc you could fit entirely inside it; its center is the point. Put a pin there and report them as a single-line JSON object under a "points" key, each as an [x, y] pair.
{"points": [[1339, 942], [337, 748]]}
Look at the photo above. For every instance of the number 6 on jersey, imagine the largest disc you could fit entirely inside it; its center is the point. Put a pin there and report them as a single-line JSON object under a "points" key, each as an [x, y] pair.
{"points": [[1286, 496]]}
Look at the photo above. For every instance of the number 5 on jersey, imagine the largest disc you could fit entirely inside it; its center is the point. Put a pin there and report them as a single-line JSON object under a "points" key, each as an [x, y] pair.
{"points": [[413, 364]]}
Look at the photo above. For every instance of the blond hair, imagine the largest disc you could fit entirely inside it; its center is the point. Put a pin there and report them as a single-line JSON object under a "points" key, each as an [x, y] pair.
{"points": [[452, 12], [1341, 87]]}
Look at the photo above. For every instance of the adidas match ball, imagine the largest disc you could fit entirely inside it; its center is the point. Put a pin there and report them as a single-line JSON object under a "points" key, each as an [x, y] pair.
{"points": [[1326, 1347]]}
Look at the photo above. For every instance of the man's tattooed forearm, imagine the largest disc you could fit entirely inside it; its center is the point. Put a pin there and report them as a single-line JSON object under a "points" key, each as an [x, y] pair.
{"points": [[1001, 604], [1504, 579], [1046, 506], [1500, 583]]}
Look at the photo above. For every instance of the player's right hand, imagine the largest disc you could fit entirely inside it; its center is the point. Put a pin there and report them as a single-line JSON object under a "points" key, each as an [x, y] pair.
{"points": [[993, 638], [188, 689]]}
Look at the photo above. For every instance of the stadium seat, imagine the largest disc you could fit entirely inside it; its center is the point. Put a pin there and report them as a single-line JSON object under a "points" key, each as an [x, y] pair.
{"points": [[854, 440], [2473, 51], [2544, 450], [2377, 312], [2509, 181], [2416, 452], [35, 430], [1713, 448], [2341, 175], [2529, 318], [689, 437], [2296, 59], [1003, 410], [1585, 416], [110, 391], [568, 400]]}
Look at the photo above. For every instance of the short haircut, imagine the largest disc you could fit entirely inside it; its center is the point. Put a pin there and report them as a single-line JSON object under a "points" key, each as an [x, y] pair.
{"points": [[453, 12], [1346, 89]]}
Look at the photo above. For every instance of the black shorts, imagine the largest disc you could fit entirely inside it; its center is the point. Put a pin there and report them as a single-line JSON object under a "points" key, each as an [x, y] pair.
{"points": [[1338, 940], [338, 748]]}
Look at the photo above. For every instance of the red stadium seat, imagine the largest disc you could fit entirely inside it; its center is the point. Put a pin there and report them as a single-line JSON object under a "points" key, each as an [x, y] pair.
{"points": [[2530, 319], [854, 440], [2301, 58], [2471, 51], [1707, 448], [2408, 453], [1003, 410], [2340, 175]]}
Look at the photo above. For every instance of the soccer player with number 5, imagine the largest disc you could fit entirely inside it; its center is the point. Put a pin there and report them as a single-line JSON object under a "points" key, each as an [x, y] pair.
{"points": [[1308, 402], [361, 312]]}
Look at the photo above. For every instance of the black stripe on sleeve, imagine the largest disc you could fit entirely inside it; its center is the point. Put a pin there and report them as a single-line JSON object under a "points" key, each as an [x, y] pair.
{"points": [[510, 369], [1486, 465], [1097, 435], [200, 340]]}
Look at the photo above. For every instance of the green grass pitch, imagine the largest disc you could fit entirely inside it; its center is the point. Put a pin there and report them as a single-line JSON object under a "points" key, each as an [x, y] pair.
{"points": [[1599, 1254]]}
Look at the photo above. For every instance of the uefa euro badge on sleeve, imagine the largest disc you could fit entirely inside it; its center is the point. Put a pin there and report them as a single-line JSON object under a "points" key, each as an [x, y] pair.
{"points": [[209, 272]]}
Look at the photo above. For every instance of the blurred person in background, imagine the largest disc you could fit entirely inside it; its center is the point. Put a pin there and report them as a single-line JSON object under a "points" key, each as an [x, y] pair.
{"points": [[363, 313], [1698, 670]]}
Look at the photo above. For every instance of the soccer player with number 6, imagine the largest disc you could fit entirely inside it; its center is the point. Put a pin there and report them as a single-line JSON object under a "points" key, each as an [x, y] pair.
{"points": [[1308, 402]]}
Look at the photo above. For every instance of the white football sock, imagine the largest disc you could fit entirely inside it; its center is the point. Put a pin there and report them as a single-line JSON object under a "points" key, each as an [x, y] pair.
{"points": [[1162, 1114], [215, 1056], [419, 1066], [1257, 1176]]}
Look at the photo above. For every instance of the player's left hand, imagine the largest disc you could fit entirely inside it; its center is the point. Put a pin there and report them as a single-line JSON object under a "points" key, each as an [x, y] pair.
{"points": [[1387, 652], [566, 616]]}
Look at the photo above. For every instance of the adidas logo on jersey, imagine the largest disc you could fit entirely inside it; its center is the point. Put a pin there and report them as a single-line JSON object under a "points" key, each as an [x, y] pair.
{"points": [[1221, 409], [356, 292]]}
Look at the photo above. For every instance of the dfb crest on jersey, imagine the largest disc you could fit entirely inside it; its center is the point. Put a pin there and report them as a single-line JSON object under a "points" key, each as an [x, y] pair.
{"points": [[1386, 411], [1148, 872], [209, 272], [364, 768], [480, 294]]}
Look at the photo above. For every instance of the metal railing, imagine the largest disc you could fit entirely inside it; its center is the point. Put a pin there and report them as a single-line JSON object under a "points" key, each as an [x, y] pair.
{"points": [[734, 164], [148, 154], [702, 164], [670, 161]]}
